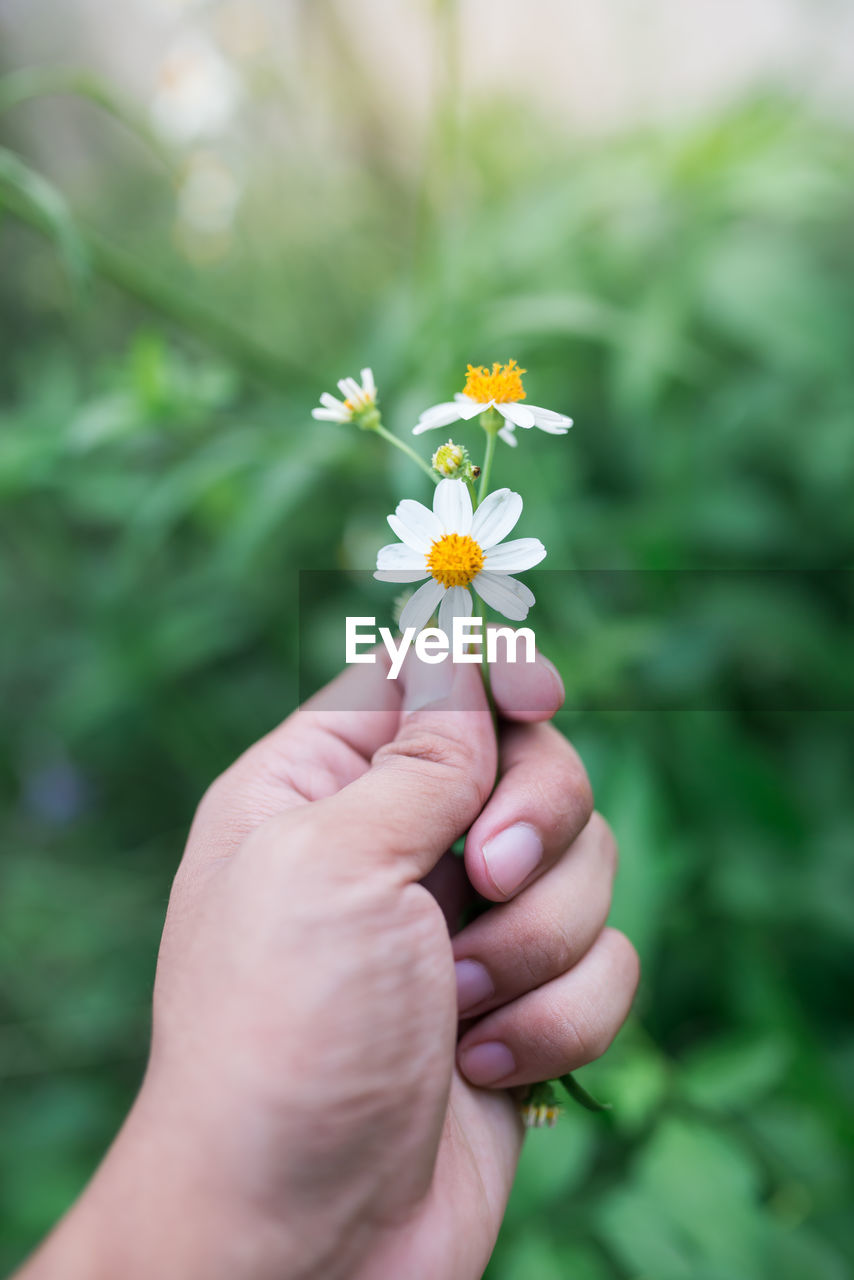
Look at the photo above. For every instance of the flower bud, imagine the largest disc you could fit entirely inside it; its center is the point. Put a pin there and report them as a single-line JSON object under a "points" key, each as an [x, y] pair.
{"points": [[452, 461], [540, 1108]]}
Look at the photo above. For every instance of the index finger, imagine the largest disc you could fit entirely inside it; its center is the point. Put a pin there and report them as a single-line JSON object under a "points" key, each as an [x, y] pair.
{"points": [[525, 691]]}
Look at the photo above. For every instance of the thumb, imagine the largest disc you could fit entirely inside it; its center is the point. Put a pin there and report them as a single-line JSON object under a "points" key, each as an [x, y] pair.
{"points": [[425, 788]]}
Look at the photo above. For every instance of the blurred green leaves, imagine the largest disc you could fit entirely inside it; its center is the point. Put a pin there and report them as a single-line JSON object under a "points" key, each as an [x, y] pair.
{"points": [[24, 191], [687, 295]]}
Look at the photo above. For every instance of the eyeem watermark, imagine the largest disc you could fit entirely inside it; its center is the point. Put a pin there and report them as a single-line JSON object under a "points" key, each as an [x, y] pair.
{"points": [[433, 645]]}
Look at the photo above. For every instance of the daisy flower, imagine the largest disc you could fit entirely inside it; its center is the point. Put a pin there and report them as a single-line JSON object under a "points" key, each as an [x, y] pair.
{"points": [[455, 548], [500, 389], [358, 400]]}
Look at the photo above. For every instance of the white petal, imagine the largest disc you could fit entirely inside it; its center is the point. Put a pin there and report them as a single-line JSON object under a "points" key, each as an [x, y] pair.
{"points": [[505, 595], [400, 575], [518, 413], [418, 611], [456, 603], [506, 434], [452, 504], [496, 516], [415, 525], [330, 402], [398, 556], [513, 557], [557, 424], [439, 416], [441, 412], [368, 383], [331, 415], [468, 408], [349, 388]]}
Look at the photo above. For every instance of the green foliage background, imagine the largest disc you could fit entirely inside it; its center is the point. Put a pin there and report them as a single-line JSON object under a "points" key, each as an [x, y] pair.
{"points": [[688, 295]]}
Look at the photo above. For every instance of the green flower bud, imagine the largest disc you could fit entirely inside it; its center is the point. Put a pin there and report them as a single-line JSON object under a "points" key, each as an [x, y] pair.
{"points": [[452, 461]]}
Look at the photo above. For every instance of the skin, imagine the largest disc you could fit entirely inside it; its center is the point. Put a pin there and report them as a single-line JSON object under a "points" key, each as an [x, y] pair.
{"points": [[310, 1108]]}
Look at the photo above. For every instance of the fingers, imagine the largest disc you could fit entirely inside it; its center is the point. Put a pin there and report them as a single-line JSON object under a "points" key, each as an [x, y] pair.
{"points": [[329, 743], [427, 785], [450, 886], [542, 801], [558, 1027], [319, 749], [526, 691], [543, 932]]}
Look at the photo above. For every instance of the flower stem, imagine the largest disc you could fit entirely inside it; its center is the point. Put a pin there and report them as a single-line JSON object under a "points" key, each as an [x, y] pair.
{"points": [[380, 430], [176, 304], [491, 423], [581, 1096], [485, 673]]}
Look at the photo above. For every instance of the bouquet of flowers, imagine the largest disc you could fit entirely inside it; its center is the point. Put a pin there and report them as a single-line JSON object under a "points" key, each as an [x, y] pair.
{"points": [[460, 545]]}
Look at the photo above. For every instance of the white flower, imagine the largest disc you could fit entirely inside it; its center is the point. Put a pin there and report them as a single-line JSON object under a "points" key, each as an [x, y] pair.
{"points": [[197, 91], [357, 399], [499, 388], [455, 548]]}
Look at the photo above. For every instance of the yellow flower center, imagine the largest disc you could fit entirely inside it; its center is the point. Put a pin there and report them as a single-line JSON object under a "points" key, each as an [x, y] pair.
{"points": [[502, 385], [360, 402], [455, 559]]}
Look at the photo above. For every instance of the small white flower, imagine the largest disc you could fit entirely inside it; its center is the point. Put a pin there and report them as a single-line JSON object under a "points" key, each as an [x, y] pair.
{"points": [[455, 548], [499, 388], [357, 399], [197, 91]]}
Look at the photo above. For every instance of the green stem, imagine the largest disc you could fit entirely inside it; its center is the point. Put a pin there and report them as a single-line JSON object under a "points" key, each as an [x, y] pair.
{"points": [[380, 430], [29, 83], [179, 305], [581, 1096], [485, 673], [120, 268], [491, 422]]}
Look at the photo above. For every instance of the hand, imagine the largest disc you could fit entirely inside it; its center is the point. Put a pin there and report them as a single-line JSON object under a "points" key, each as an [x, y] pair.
{"points": [[308, 1109]]}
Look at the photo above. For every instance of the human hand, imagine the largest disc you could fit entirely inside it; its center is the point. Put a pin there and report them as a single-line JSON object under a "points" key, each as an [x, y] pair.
{"points": [[308, 1110]]}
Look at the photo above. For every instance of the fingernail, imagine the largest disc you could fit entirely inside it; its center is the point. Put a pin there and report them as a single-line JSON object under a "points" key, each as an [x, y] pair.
{"points": [[488, 1063], [426, 683], [473, 984], [512, 855]]}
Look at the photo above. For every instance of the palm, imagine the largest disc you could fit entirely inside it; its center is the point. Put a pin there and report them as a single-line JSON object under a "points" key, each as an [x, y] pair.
{"points": [[453, 1229]]}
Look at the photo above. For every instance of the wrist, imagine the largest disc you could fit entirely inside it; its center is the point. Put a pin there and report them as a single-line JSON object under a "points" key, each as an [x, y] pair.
{"points": [[156, 1207]]}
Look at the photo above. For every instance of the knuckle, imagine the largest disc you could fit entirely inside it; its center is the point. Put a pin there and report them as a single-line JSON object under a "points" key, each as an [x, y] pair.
{"points": [[576, 782], [422, 745], [550, 944], [629, 960], [584, 1035], [233, 805], [535, 950], [606, 841], [583, 789], [438, 754], [212, 798]]}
